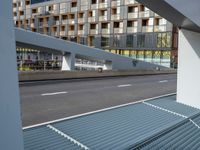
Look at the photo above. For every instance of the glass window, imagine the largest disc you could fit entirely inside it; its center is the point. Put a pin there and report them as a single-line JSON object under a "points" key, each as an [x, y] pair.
{"points": [[129, 41], [140, 40]]}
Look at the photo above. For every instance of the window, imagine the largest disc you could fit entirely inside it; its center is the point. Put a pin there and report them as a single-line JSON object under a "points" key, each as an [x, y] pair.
{"points": [[116, 24], [129, 41], [164, 40], [140, 40], [104, 41]]}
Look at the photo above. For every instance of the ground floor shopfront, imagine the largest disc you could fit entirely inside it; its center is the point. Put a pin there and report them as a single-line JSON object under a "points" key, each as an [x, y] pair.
{"points": [[166, 58]]}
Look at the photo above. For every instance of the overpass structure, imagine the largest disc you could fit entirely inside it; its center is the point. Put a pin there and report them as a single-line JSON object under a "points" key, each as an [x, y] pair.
{"points": [[183, 13], [71, 50]]}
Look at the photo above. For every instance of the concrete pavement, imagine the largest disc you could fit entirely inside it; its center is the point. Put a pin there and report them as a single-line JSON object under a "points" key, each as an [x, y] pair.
{"points": [[52, 100]]}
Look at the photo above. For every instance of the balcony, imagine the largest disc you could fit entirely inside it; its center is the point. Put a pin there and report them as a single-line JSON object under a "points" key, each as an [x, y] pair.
{"points": [[22, 17], [80, 20], [54, 33], [94, 6], [156, 15], [28, 16], [35, 14], [32, 25], [132, 15], [20, 8], [145, 14], [105, 31], [115, 3], [64, 10], [118, 30], [84, 7], [14, 9], [63, 33], [57, 22], [93, 31], [64, 21], [131, 29], [115, 17], [147, 29], [71, 21], [71, 32], [15, 17], [160, 28], [91, 19], [103, 18], [74, 9], [103, 5], [130, 2], [80, 32]]}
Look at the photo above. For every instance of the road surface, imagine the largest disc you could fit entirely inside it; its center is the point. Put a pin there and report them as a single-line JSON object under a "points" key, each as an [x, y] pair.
{"points": [[52, 100]]}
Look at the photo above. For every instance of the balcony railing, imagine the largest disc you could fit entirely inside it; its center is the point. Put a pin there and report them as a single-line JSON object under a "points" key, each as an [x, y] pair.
{"points": [[22, 17], [32, 25], [91, 19], [103, 5], [130, 2], [54, 33], [71, 32], [118, 30], [74, 9], [105, 31], [131, 29], [133, 15], [103, 18], [57, 22], [145, 14], [71, 21], [84, 7], [63, 33], [64, 21], [147, 29], [80, 20], [93, 31], [115, 3], [80, 32], [63, 10], [160, 28], [115, 17], [94, 6]]}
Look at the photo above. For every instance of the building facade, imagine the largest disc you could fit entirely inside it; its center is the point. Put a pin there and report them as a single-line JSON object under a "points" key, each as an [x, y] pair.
{"points": [[122, 27]]}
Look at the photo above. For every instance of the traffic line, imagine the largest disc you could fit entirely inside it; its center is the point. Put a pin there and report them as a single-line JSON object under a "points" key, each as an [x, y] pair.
{"points": [[163, 81], [125, 85], [67, 137], [55, 93], [96, 111]]}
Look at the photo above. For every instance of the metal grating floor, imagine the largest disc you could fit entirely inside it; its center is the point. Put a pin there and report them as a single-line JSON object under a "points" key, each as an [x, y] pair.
{"points": [[120, 128]]}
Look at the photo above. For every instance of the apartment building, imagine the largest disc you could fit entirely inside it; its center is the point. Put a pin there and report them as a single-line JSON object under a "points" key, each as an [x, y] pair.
{"points": [[122, 27]]}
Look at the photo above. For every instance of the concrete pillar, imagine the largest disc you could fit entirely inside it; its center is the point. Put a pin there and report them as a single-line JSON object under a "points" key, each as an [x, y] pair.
{"points": [[188, 87], [68, 62], [10, 120], [107, 65]]}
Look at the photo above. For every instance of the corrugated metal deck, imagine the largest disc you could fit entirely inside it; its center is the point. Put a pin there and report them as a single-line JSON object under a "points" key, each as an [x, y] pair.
{"points": [[120, 128]]}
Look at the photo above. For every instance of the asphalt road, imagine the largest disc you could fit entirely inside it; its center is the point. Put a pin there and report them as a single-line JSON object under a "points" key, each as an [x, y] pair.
{"points": [[48, 101]]}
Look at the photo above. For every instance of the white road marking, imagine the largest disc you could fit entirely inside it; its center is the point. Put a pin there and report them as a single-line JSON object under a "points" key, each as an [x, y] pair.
{"points": [[163, 81], [55, 93], [67, 137], [96, 111], [125, 85]]}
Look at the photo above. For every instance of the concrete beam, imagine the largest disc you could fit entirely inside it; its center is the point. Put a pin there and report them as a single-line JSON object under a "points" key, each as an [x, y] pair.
{"points": [[68, 62], [10, 120], [188, 68]]}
